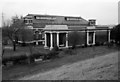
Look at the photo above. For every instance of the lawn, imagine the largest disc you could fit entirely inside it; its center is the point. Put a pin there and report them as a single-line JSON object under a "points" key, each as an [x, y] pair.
{"points": [[78, 54], [22, 50]]}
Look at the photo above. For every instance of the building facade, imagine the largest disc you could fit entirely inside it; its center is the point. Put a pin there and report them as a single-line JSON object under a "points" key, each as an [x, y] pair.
{"points": [[52, 30]]}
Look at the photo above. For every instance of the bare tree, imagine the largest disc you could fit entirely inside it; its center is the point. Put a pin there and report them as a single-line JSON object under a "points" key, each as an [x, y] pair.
{"points": [[115, 34], [26, 36], [11, 30]]}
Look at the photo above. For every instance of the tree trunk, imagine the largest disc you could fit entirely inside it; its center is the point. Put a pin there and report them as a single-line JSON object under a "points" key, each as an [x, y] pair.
{"points": [[14, 46]]}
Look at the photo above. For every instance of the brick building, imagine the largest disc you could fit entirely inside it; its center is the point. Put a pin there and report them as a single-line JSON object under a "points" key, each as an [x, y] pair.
{"points": [[52, 30]]}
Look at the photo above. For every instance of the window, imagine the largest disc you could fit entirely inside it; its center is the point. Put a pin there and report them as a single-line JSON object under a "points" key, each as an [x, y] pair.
{"points": [[72, 18], [28, 21], [45, 18]]}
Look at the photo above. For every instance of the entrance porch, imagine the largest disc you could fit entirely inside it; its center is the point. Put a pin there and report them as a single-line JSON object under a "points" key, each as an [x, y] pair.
{"points": [[53, 39]]}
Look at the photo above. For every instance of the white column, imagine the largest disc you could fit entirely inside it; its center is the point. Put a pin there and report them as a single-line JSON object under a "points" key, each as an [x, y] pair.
{"points": [[87, 38], [36, 42], [66, 40], [58, 39], [51, 41], [45, 40], [108, 35], [94, 38]]}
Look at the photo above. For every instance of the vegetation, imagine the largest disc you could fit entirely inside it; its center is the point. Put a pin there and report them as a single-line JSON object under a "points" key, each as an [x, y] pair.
{"points": [[15, 32], [115, 34], [10, 31], [80, 54]]}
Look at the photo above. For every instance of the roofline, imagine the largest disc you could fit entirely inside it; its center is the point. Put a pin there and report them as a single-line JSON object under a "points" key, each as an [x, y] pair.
{"points": [[52, 15]]}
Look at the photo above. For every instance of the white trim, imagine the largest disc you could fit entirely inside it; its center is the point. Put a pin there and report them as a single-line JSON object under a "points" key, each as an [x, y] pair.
{"points": [[91, 27], [56, 31], [58, 39], [87, 38], [108, 35], [100, 30], [45, 40], [36, 42], [67, 40], [51, 41], [94, 38]]}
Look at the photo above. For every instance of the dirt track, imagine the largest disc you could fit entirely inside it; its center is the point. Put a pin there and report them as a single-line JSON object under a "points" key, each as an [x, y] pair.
{"points": [[98, 68]]}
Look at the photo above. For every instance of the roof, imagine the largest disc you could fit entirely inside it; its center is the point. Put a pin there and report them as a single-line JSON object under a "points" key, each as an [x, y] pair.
{"points": [[77, 27], [51, 15], [59, 20], [102, 27]]}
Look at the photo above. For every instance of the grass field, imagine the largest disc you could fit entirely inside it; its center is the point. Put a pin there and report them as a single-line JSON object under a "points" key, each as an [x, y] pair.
{"points": [[79, 54], [23, 50]]}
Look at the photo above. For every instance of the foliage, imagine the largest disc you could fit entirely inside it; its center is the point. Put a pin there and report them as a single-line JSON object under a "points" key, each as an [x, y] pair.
{"points": [[55, 48], [73, 38], [25, 35], [11, 31], [15, 59], [115, 34], [52, 54]]}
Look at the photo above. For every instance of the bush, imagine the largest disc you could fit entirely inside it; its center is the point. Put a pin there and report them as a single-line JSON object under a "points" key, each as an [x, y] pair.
{"points": [[68, 51], [98, 43], [52, 54], [55, 48], [14, 59]]}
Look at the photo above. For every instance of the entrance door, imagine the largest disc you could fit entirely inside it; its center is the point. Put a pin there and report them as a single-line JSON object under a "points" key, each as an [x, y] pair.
{"points": [[91, 37], [54, 39], [62, 39]]}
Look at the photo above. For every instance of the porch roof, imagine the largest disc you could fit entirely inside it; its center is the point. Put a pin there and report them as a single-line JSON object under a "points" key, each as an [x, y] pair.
{"points": [[56, 27]]}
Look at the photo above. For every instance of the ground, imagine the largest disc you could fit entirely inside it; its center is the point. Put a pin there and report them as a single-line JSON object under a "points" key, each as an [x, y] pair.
{"points": [[79, 54], [98, 68]]}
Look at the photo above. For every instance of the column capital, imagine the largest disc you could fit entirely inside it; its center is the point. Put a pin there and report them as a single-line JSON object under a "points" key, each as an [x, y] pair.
{"points": [[67, 32], [57, 32], [50, 32]]}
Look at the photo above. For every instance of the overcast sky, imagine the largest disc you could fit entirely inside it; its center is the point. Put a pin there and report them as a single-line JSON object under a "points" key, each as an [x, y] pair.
{"points": [[104, 11]]}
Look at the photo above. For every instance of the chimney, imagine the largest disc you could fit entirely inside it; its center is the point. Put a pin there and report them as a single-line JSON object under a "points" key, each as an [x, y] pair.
{"points": [[92, 22]]}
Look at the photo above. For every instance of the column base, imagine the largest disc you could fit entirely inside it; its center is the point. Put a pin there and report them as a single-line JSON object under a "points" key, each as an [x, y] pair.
{"points": [[45, 46], [37, 43], [51, 48], [66, 46]]}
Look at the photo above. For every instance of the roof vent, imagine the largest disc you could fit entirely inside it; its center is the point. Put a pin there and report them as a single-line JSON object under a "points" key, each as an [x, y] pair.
{"points": [[92, 22]]}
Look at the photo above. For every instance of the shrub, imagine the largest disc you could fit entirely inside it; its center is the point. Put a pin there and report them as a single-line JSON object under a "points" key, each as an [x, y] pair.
{"points": [[14, 59], [68, 51], [97, 44], [52, 54], [55, 48]]}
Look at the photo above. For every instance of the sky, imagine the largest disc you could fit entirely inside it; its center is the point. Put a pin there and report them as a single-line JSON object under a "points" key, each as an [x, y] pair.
{"points": [[104, 11]]}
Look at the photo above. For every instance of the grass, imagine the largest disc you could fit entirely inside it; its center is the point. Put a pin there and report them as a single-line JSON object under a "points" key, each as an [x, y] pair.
{"points": [[18, 71], [23, 50]]}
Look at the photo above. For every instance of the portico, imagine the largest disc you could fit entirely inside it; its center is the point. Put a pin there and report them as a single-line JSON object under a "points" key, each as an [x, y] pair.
{"points": [[55, 36]]}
